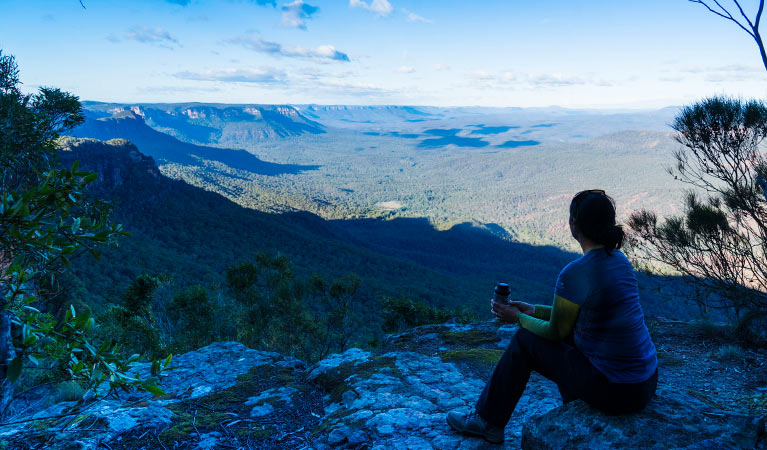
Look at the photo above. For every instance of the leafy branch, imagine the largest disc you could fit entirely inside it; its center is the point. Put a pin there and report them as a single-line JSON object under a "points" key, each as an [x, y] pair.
{"points": [[720, 241]]}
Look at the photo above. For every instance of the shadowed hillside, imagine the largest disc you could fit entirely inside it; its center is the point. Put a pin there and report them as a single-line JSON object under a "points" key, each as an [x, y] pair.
{"points": [[195, 235]]}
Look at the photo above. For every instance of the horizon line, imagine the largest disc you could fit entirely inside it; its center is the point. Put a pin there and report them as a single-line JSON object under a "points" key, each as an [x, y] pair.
{"points": [[401, 105]]}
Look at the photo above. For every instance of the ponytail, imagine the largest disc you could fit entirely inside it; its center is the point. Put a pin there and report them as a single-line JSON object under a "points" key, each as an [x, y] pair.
{"points": [[614, 238]]}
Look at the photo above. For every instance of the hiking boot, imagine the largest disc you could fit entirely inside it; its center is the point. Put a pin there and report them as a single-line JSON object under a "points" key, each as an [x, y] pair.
{"points": [[471, 423]]}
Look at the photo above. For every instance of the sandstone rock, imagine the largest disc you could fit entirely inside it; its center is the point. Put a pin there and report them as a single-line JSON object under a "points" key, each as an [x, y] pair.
{"points": [[399, 400], [201, 372], [205, 372], [505, 333], [670, 421], [261, 410], [353, 355], [229, 396]]}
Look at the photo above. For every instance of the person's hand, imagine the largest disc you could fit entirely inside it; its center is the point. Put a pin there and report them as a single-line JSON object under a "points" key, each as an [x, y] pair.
{"points": [[524, 308], [505, 313]]}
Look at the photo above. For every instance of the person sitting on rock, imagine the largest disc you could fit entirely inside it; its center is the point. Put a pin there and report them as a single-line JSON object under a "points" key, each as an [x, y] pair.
{"points": [[593, 342]]}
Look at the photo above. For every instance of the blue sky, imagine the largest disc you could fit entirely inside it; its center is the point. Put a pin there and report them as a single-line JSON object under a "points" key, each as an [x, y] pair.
{"points": [[598, 53]]}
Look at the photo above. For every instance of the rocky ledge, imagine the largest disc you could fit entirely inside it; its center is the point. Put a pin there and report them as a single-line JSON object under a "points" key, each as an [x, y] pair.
{"points": [[711, 394]]}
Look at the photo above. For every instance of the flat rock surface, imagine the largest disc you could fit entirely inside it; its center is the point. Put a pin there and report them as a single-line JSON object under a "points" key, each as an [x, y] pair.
{"points": [[670, 421], [208, 403], [712, 394]]}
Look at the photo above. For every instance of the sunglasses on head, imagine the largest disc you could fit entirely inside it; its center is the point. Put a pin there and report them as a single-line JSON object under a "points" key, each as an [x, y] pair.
{"points": [[580, 196]]}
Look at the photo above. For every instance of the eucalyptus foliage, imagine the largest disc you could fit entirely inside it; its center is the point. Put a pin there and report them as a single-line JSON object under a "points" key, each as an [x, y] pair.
{"points": [[46, 219], [720, 239], [401, 313], [275, 311]]}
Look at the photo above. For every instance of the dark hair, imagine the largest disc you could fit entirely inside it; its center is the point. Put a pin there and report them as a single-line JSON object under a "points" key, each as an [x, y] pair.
{"points": [[594, 214]]}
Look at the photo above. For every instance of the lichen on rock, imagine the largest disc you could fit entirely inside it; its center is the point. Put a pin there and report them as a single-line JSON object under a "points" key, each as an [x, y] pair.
{"points": [[229, 396], [670, 421], [207, 389]]}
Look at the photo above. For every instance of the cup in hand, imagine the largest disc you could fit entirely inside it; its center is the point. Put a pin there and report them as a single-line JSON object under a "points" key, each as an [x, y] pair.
{"points": [[501, 293]]}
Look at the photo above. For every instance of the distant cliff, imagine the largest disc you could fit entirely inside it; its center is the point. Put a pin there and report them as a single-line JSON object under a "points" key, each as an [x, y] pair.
{"points": [[207, 123], [167, 149], [118, 163], [226, 396]]}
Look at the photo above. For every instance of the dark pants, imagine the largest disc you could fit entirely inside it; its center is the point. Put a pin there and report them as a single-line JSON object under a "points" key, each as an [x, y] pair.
{"points": [[564, 364]]}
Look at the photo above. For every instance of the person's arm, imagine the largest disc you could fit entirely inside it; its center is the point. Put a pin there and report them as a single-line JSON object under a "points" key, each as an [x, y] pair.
{"points": [[538, 311], [542, 312], [562, 317]]}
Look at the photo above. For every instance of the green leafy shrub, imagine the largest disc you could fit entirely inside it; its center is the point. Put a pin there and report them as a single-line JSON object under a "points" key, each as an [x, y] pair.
{"points": [[308, 319], [194, 318], [402, 313], [719, 243], [46, 219]]}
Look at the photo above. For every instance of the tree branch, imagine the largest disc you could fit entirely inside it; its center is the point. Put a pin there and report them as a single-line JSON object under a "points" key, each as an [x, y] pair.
{"points": [[743, 14], [727, 16]]}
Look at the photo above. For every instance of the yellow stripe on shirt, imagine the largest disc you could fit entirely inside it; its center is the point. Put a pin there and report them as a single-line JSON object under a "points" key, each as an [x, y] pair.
{"points": [[554, 323]]}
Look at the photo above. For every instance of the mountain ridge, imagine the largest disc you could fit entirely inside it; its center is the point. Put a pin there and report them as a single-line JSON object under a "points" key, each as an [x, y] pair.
{"points": [[127, 124], [211, 123]]}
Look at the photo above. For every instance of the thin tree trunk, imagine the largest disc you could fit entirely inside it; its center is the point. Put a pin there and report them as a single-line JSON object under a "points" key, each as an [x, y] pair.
{"points": [[7, 353], [759, 42]]}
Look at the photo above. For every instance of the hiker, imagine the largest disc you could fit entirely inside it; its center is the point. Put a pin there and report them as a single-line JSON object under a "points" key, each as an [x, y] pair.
{"points": [[593, 342]]}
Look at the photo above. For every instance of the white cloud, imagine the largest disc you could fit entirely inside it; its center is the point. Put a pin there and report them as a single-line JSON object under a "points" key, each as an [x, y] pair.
{"points": [[441, 67], [322, 53], [148, 35], [381, 7], [413, 17], [257, 44], [405, 69], [177, 89], [344, 83], [257, 2], [257, 75], [728, 68], [295, 14], [723, 77], [481, 75], [552, 79], [315, 73], [307, 79], [728, 73], [354, 87], [327, 52], [546, 80]]}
